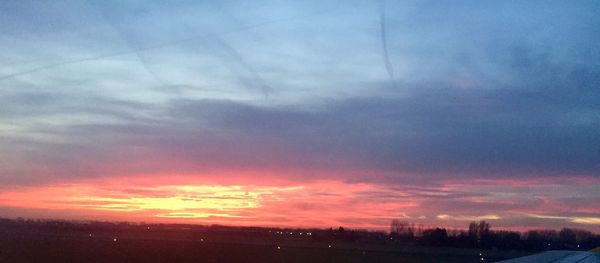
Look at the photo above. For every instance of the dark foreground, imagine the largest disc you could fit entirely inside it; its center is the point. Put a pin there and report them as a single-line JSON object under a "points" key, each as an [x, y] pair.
{"points": [[183, 244]]}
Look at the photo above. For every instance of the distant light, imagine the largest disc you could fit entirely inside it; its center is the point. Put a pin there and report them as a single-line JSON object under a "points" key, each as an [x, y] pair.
{"points": [[480, 254], [114, 240], [90, 234], [278, 247], [481, 259], [329, 246], [148, 228], [577, 245], [202, 240], [548, 244]]}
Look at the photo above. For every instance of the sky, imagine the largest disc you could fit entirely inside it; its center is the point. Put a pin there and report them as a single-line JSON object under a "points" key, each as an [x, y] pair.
{"points": [[302, 113]]}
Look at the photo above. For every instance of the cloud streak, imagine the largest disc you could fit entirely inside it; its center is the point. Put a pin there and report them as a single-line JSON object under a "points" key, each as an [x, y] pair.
{"points": [[384, 47], [492, 121]]}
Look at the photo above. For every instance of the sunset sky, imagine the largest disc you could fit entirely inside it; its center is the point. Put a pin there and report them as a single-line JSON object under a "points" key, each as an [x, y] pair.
{"points": [[302, 113]]}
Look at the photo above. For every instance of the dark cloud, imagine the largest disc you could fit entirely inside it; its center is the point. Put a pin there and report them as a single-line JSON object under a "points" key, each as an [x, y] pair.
{"points": [[432, 132]]}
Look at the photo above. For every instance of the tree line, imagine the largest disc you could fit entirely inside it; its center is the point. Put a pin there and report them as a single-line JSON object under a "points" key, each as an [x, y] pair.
{"points": [[480, 235], [477, 235]]}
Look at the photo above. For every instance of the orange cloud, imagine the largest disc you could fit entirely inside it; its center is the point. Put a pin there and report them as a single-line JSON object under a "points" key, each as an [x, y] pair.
{"points": [[280, 202], [309, 204]]}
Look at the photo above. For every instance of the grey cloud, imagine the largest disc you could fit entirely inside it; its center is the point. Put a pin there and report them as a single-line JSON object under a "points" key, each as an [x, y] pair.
{"points": [[432, 132]]}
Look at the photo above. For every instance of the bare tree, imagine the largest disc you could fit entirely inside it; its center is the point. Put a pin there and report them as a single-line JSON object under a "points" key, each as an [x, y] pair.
{"points": [[402, 228]]}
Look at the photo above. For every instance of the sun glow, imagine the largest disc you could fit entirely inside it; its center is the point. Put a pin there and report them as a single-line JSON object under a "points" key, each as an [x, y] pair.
{"points": [[170, 201], [270, 203], [182, 198], [237, 204]]}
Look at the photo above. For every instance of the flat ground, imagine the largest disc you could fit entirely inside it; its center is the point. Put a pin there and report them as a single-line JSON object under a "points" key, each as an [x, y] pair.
{"points": [[27, 245]]}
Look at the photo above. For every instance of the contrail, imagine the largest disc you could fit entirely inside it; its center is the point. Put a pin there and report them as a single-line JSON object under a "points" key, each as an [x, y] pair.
{"points": [[157, 46], [62, 63], [383, 33], [235, 55], [125, 36]]}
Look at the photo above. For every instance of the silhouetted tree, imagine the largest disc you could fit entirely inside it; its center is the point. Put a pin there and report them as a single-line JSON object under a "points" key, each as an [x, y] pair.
{"points": [[479, 233], [505, 239], [435, 237], [402, 229], [473, 227], [541, 239], [567, 237]]}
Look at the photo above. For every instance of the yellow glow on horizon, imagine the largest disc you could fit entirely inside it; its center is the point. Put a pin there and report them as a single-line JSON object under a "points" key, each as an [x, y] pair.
{"points": [[309, 204], [179, 201], [171, 201], [313, 204]]}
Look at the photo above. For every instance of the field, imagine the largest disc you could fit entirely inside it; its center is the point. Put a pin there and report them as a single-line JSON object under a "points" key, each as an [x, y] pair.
{"points": [[152, 244]]}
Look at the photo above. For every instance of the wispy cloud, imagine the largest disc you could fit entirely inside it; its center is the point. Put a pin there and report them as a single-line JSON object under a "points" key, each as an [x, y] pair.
{"points": [[491, 120], [467, 217], [573, 219]]}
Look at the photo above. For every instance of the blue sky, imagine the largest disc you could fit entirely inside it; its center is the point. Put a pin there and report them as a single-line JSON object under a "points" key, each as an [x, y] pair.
{"points": [[419, 93]]}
